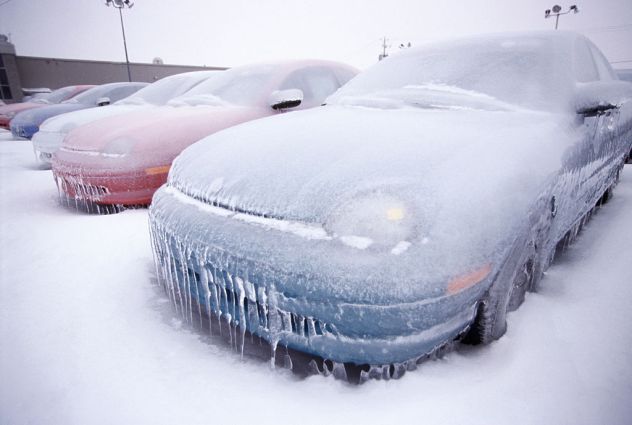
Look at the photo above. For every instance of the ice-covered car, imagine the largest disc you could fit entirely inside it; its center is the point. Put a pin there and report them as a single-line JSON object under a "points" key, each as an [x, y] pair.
{"points": [[26, 124], [415, 208], [122, 160], [52, 131], [7, 112]]}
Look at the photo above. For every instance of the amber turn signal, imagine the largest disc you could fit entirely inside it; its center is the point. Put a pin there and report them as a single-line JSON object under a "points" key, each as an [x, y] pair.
{"points": [[465, 281]]}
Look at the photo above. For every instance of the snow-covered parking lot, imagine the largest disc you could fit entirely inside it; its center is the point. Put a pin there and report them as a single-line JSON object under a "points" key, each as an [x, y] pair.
{"points": [[86, 337]]}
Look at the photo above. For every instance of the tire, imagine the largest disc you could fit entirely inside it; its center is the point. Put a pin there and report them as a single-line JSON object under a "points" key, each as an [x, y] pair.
{"points": [[485, 329], [490, 321]]}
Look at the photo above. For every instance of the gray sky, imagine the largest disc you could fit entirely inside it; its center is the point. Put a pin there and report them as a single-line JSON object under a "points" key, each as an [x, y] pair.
{"points": [[235, 32]]}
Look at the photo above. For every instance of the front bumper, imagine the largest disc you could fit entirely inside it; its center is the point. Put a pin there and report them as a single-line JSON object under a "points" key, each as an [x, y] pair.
{"points": [[25, 131], [5, 123], [116, 188], [265, 282], [46, 143]]}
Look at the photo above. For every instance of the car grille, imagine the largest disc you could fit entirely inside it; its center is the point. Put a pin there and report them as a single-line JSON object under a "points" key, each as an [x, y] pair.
{"points": [[197, 287], [75, 187]]}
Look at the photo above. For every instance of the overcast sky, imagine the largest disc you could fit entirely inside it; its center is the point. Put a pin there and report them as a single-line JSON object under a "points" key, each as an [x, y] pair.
{"points": [[235, 32]]}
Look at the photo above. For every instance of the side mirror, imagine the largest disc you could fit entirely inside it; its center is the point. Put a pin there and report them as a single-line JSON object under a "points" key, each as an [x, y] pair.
{"points": [[598, 97], [103, 101], [285, 99]]}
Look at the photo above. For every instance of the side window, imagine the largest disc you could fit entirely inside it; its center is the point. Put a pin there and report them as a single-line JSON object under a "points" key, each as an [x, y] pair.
{"points": [[122, 92], [585, 70], [316, 83], [603, 67], [344, 75]]}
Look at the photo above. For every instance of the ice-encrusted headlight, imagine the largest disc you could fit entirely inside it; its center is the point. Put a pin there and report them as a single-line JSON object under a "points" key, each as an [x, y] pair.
{"points": [[378, 220], [121, 146], [68, 127]]}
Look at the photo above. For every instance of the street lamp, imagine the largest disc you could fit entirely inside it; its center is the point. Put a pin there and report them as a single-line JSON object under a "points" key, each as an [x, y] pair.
{"points": [[120, 4], [557, 11]]}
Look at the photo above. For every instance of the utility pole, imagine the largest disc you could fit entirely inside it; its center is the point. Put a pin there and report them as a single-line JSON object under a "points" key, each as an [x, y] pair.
{"points": [[120, 4], [384, 47], [557, 11]]}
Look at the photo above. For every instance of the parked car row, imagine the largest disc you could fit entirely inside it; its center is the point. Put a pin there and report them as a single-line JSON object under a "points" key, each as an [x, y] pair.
{"points": [[8, 112], [391, 213]]}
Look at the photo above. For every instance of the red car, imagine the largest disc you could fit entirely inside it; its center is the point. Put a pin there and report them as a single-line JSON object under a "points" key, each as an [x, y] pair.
{"points": [[124, 159], [7, 112]]}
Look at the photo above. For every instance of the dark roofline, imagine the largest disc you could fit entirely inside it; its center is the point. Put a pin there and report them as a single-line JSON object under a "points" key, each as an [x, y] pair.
{"points": [[121, 63]]}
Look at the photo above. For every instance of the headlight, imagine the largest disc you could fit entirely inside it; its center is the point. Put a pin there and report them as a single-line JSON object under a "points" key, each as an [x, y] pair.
{"points": [[10, 115], [67, 128], [119, 147], [379, 220]]}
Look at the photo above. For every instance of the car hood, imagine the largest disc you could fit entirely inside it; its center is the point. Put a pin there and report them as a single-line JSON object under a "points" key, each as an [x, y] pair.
{"points": [[465, 177], [39, 115], [19, 107], [66, 122], [158, 134]]}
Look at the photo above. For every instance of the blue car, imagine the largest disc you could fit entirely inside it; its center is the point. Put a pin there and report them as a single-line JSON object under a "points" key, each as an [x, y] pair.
{"points": [[26, 124], [414, 209]]}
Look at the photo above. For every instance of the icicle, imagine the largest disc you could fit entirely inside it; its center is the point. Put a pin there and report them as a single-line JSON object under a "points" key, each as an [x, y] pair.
{"points": [[204, 282], [217, 299], [311, 327], [339, 371], [241, 293]]}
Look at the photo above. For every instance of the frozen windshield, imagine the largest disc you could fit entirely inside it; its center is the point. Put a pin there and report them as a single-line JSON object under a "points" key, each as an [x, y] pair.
{"points": [[114, 92], [240, 86], [499, 71], [166, 89], [55, 96]]}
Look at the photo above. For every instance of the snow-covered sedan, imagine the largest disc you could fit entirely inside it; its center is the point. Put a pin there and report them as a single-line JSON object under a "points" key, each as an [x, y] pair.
{"points": [[122, 160], [7, 112], [52, 132], [26, 124], [417, 207]]}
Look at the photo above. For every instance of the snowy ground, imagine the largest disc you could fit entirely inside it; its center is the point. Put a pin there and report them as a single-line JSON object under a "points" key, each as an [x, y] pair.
{"points": [[87, 338]]}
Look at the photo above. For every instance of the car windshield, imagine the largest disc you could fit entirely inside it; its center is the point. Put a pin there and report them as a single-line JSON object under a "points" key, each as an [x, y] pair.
{"points": [[166, 89], [240, 86], [497, 71], [55, 96], [91, 96]]}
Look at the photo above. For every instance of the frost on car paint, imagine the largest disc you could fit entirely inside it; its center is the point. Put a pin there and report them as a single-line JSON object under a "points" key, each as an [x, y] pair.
{"points": [[27, 123], [121, 161], [52, 131], [444, 177], [7, 112]]}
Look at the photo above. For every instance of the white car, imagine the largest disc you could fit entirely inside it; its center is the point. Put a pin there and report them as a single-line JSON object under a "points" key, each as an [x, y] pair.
{"points": [[53, 131]]}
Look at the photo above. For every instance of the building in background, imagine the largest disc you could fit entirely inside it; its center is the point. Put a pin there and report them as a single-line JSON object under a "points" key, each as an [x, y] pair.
{"points": [[18, 72]]}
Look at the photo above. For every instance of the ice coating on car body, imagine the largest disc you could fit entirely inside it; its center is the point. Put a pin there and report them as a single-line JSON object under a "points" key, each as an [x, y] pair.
{"points": [[486, 178]]}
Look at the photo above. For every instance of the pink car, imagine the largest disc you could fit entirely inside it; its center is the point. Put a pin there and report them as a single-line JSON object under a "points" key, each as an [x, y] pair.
{"points": [[7, 112], [123, 160]]}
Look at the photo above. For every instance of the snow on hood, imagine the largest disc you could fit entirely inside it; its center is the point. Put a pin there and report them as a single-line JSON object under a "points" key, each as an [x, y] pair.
{"points": [[19, 107], [161, 132], [69, 121], [465, 177], [38, 115]]}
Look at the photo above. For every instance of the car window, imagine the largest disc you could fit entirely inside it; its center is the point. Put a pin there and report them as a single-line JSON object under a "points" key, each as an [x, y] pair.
{"points": [[122, 92], [57, 95], [240, 86], [344, 75], [166, 89], [316, 83], [603, 67], [585, 70]]}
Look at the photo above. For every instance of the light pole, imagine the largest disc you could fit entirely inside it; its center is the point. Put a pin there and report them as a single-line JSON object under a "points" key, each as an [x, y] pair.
{"points": [[120, 4], [557, 11]]}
